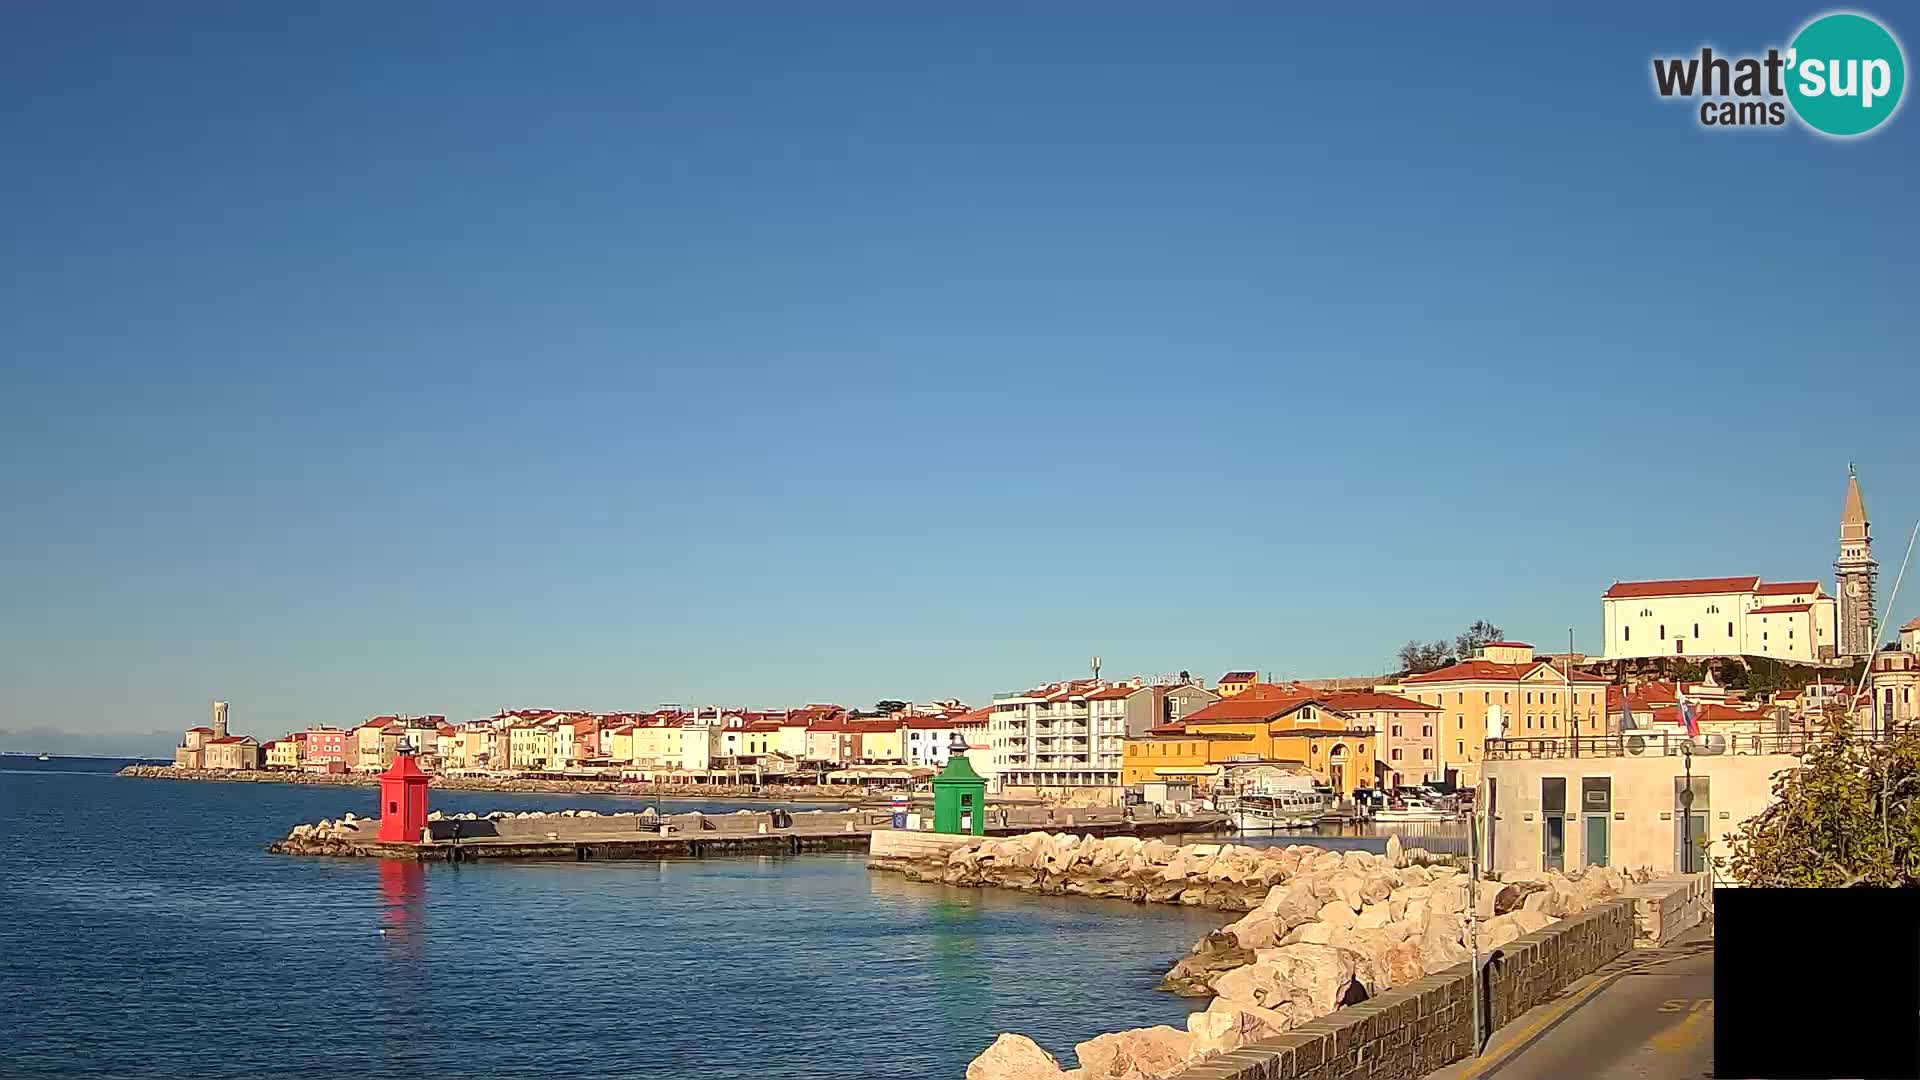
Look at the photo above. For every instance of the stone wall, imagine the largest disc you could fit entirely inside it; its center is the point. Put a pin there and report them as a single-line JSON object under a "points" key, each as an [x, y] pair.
{"points": [[1668, 906], [1414, 1029]]}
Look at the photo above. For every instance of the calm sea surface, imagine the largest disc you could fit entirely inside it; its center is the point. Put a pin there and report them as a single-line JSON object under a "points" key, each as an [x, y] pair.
{"points": [[147, 934]]}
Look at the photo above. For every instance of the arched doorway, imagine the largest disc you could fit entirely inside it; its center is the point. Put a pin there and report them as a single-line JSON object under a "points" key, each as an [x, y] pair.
{"points": [[1337, 768]]}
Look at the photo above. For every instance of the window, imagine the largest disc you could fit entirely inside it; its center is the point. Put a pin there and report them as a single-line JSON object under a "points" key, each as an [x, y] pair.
{"points": [[1396, 754], [1696, 629], [1459, 699], [1506, 699], [1426, 730], [1646, 613], [1626, 633], [1486, 698], [1396, 731], [1663, 631], [1729, 629], [1427, 754], [1529, 699], [1460, 746], [1529, 721], [1460, 721], [1713, 609]]}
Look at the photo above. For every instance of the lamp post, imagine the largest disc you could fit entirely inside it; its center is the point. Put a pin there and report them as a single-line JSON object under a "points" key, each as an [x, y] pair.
{"points": [[1686, 809]]}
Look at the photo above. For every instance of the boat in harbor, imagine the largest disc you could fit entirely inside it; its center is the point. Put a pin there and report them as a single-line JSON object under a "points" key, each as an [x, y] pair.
{"points": [[1285, 808], [1413, 809]]}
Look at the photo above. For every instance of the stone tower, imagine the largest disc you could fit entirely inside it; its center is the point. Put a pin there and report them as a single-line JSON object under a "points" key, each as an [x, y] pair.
{"points": [[1854, 574], [219, 719]]}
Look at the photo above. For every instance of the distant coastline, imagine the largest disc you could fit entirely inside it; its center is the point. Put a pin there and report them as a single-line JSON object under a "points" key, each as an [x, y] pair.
{"points": [[767, 792]]}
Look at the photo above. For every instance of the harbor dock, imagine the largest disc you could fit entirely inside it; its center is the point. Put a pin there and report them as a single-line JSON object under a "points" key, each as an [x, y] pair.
{"points": [[588, 837]]}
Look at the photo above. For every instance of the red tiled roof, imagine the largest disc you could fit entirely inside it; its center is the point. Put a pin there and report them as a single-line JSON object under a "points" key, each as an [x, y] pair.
{"points": [[1112, 692], [1681, 587], [1362, 700], [874, 727], [974, 718], [1780, 609], [1240, 676], [764, 725], [1914, 625], [1644, 698], [230, 739], [1489, 671], [208, 730], [1507, 645], [1248, 707], [931, 723], [1782, 588]]}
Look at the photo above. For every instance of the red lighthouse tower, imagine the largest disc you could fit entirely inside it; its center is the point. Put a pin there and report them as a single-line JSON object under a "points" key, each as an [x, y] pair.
{"points": [[403, 799]]}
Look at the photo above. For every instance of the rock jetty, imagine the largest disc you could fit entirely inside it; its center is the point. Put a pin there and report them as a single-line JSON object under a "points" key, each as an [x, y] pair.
{"points": [[1330, 928], [1228, 877], [641, 789]]}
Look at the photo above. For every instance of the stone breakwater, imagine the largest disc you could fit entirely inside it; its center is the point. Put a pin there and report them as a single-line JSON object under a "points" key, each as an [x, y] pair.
{"points": [[646, 789], [351, 834], [1228, 877], [1328, 929]]}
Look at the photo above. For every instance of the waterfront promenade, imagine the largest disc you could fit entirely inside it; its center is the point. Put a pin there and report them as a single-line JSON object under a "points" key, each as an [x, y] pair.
{"points": [[634, 789]]}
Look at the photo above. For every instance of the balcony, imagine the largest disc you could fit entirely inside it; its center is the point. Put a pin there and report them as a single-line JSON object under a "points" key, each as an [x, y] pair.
{"points": [[1649, 744]]}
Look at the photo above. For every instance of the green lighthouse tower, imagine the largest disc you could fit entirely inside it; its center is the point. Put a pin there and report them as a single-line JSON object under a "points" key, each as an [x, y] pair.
{"points": [[959, 792]]}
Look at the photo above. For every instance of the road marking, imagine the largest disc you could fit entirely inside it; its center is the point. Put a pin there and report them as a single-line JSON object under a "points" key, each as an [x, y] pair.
{"points": [[1552, 1012], [1686, 1034], [1674, 1005]]}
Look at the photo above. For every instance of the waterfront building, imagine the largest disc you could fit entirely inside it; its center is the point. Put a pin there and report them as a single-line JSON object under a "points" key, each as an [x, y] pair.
{"points": [[1070, 736], [447, 749], [1893, 689], [616, 744], [878, 742], [763, 737], [233, 753], [1287, 726], [929, 740], [529, 746], [1622, 802], [1718, 617], [1910, 636], [1503, 691], [191, 753], [974, 726], [1855, 573], [699, 738], [1236, 682], [1406, 732], [326, 750], [285, 753]]}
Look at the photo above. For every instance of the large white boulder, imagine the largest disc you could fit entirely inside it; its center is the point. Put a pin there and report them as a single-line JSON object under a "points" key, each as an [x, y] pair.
{"points": [[1142, 1052], [1014, 1057], [1225, 1026]]}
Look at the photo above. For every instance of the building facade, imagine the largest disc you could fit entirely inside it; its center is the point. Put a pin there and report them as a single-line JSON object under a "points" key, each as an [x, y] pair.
{"points": [[1707, 617], [1407, 733], [1503, 691]]}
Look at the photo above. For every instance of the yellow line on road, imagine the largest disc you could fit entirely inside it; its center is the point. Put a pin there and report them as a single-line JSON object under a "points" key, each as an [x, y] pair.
{"points": [[1686, 1034], [1548, 1015]]}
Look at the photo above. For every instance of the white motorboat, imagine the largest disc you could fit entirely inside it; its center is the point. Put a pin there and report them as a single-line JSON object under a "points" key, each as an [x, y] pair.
{"points": [[1412, 809], [1281, 809]]}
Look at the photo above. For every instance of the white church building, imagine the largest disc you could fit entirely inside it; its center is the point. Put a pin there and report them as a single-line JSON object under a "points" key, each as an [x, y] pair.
{"points": [[1744, 616], [1737, 616]]}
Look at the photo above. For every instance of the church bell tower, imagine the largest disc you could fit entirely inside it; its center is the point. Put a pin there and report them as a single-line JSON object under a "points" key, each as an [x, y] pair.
{"points": [[1854, 574]]}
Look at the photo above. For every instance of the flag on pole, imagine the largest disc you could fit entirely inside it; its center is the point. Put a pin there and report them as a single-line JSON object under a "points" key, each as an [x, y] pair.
{"points": [[1626, 711], [1688, 717]]}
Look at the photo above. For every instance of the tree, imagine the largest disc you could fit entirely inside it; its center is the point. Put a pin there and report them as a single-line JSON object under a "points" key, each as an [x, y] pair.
{"points": [[888, 706], [1473, 637], [1417, 656], [1849, 815]]}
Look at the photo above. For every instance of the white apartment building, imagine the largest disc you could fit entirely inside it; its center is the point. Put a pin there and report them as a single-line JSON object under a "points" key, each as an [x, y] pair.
{"points": [[1049, 736], [1732, 616]]}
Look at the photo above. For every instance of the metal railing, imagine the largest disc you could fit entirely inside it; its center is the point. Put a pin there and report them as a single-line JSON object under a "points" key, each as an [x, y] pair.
{"points": [[1650, 744]]}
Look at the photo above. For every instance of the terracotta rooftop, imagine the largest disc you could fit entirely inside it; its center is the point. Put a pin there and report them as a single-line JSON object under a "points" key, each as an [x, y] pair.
{"points": [[1489, 671], [1240, 676], [1780, 609], [1361, 700], [1786, 588], [1681, 587]]}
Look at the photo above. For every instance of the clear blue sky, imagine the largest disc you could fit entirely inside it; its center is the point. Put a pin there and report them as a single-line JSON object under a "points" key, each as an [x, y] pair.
{"points": [[438, 359]]}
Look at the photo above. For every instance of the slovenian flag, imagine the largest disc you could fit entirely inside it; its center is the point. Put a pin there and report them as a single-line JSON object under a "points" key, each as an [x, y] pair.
{"points": [[1688, 717], [1626, 711]]}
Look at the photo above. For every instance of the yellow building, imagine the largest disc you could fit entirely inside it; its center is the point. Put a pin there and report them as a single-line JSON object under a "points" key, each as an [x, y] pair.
{"points": [[1285, 725], [660, 742], [617, 744], [1171, 753], [284, 753], [1235, 683], [1504, 692], [529, 746], [881, 740]]}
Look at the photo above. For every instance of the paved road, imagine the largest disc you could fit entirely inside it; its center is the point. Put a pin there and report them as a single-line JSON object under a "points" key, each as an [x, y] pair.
{"points": [[1646, 1016]]}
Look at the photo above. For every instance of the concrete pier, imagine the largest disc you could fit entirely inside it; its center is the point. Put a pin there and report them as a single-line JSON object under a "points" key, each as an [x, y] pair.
{"points": [[632, 836]]}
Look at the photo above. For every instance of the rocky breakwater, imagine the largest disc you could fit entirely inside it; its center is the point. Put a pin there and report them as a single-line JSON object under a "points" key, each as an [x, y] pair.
{"points": [[349, 834], [1228, 877], [1334, 930]]}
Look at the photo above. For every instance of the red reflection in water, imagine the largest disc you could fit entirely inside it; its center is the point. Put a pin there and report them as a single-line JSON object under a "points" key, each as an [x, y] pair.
{"points": [[403, 896]]}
